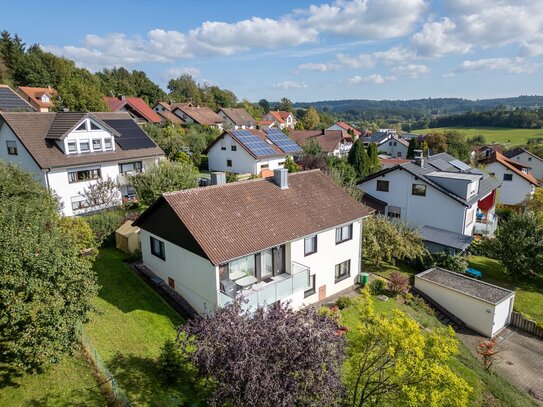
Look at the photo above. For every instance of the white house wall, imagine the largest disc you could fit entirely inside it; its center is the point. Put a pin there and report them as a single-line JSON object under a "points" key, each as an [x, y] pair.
{"points": [[536, 165], [393, 150], [502, 314], [511, 192], [196, 279]]}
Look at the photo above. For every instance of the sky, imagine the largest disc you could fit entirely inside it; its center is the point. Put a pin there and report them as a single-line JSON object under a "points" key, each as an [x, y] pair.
{"points": [[303, 50]]}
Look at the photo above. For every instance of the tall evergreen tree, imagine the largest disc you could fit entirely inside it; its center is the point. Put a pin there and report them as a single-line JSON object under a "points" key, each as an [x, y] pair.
{"points": [[358, 158], [413, 145], [373, 159]]}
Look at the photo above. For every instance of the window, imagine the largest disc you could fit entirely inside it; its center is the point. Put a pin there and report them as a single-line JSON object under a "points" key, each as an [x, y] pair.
{"points": [[97, 145], [72, 147], [281, 164], [508, 177], [157, 248], [529, 158], [395, 143], [84, 175], [394, 212], [84, 146], [79, 202], [228, 163], [223, 146], [234, 148], [107, 143], [344, 233], [310, 245], [94, 126], [171, 283], [310, 290], [399, 154], [418, 189], [382, 185], [242, 267], [12, 147], [130, 167], [343, 270], [263, 166], [469, 217], [82, 127]]}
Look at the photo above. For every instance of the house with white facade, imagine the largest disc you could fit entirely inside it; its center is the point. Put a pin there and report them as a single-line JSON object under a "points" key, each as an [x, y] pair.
{"points": [[336, 143], [445, 198], [251, 151], [527, 159], [517, 182], [67, 151], [196, 114], [279, 119], [236, 118], [347, 128], [389, 143], [40, 98], [289, 238]]}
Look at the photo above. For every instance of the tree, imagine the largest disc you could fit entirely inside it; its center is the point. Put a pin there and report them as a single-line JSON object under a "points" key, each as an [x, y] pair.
{"points": [[312, 147], [271, 356], [102, 194], [80, 92], [265, 105], [534, 204], [374, 164], [520, 245], [413, 145], [184, 89], [46, 286], [457, 145], [291, 166], [391, 361], [358, 158], [311, 119], [285, 105], [437, 143], [165, 177]]}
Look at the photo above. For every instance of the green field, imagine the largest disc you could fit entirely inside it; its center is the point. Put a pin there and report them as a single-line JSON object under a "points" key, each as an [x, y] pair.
{"points": [[510, 137]]}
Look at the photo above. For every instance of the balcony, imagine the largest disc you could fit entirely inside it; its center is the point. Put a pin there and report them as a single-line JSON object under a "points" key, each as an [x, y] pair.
{"points": [[486, 226], [266, 293]]}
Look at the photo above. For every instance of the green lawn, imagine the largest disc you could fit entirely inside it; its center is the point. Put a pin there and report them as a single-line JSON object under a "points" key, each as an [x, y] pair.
{"points": [[528, 293], [385, 269], [508, 136], [68, 383], [488, 389], [129, 329]]}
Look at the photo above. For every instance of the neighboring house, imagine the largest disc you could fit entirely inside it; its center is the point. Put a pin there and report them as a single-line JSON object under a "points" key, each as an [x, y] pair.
{"points": [[236, 118], [280, 119], [266, 124], [517, 183], [388, 142], [440, 192], [136, 107], [332, 142], [391, 162], [250, 151], [527, 159], [68, 151], [291, 238], [10, 101], [346, 128], [164, 110], [201, 115], [40, 98]]}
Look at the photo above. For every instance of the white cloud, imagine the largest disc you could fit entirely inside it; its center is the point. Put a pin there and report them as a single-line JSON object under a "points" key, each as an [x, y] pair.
{"points": [[438, 39], [322, 67], [516, 65], [375, 79], [177, 71], [289, 85], [412, 70]]}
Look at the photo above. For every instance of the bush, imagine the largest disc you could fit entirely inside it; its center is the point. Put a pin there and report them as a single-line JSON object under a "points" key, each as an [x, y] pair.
{"points": [[170, 362], [484, 247], [104, 226], [204, 163], [344, 302], [377, 286], [398, 283], [418, 303], [231, 177]]}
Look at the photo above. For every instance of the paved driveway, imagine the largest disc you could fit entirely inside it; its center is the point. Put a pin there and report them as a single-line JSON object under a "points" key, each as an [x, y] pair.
{"points": [[519, 361]]}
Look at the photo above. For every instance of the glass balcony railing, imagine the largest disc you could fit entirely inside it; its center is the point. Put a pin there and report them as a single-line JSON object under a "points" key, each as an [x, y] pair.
{"points": [[486, 226]]}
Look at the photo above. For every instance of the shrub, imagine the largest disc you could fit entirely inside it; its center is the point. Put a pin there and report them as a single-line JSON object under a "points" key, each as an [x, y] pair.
{"points": [[417, 302], [344, 302], [398, 283], [484, 247], [377, 286], [104, 226], [231, 177]]}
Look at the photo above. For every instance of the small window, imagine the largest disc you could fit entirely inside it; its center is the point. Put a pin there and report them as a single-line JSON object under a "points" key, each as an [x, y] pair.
{"points": [[399, 154], [97, 145], [344, 233], [310, 245], [395, 143], [382, 185], [418, 189], [234, 148], [72, 147], [171, 283], [94, 126], [12, 147], [78, 202], [84, 146], [107, 143], [135, 166], [310, 289], [82, 127], [529, 158], [157, 248], [394, 212], [264, 166], [281, 164], [223, 146], [228, 163], [343, 271], [508, 177]]}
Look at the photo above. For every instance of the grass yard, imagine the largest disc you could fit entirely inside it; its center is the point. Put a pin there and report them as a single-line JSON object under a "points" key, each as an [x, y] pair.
{"points": [[528, 293], [129, 329], [385, 269], [488, 389], [68, 383], [511, 137]]}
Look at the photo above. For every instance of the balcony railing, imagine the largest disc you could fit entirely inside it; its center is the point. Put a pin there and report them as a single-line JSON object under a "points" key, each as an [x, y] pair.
{"points": [[486, 226], [279, 288]]}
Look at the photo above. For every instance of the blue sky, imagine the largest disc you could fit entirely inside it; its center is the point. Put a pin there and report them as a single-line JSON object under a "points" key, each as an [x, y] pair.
{"points": [[304, 50]]}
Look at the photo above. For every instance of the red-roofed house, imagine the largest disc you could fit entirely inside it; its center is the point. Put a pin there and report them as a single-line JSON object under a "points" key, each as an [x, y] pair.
{"points": [[136, 107], [347, 128], [281, 119], [40, 98]]}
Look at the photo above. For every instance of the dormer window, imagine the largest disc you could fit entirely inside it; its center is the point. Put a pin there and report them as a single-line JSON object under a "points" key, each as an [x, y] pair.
{"points": [[94, 126], [82, 127], [107, 143], [45, 99], [72, 147], [96, 145], [84, 146]]}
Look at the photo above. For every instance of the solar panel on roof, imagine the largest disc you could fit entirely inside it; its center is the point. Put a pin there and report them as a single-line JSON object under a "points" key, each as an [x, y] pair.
{"points": [[254, 143], [282, 141], [11, 102], [460, 165], [132, 137], [440, 164]]}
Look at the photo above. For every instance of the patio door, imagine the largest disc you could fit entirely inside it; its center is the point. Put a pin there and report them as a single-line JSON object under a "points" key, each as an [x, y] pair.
{"points": [[266, 269], [278, 254]]}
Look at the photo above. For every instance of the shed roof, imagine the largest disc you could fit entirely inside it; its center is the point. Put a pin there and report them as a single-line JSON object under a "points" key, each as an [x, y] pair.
{"points": [[445, 237]]}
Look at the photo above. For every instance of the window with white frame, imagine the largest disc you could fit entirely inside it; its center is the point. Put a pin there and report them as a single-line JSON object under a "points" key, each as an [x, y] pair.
{"points": [[107, 143], [343, 271], [344, 233], [12, 147], [310, 288], [78, 202], [394, 212], [418, 189], [310, 245], [93, 126], [72, 147], [97, 144], [157, 248], [134, 166], [84, 146], [84, 175], [82, 127]]}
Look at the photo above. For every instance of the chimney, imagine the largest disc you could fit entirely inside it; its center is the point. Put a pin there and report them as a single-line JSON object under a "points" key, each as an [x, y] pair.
{"points": [[280, 177], [218, 178], [419, 158], [122, 97]]}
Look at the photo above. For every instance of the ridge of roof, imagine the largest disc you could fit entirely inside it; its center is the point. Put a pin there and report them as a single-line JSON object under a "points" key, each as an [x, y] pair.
{"points": [[495, 156], [519, 150]]}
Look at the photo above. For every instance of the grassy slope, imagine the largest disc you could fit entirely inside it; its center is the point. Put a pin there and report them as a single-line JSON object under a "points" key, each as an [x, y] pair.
{"points": [[128, 331], [508, 136], [528, 294]]}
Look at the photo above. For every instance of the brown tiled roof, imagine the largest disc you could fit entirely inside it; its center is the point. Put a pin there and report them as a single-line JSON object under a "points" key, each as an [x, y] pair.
{"points": [[201, 114], [32, 130], [137, 104], [328, 141], [171, 117], [239, 116], [34, 95], [348, 127], [513, 166], [233, 220], [170, 106]]}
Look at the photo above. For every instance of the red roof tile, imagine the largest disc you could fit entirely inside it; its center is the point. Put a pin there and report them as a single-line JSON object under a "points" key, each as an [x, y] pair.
{"points": [[506, 162], [138, 104]]}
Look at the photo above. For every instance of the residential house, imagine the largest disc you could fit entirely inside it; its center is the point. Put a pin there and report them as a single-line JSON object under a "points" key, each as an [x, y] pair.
{"points": [[10, 101], [67, 151], [526, 158], [346, 128], [517, 182], [164, 110], [391, 162], [332, 142], [236, 118], [290, 238], [445, 198], [251, 151], [388, 142], [136, 107], [280, 119], [201, 115], [40, 98], [266, 124]]}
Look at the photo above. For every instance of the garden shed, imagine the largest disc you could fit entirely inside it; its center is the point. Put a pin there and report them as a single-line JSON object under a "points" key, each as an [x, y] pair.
{"points": [[127, 238], [483, 307]]}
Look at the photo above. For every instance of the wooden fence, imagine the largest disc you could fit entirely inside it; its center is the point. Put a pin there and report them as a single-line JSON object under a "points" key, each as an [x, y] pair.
{"points": [[519, 321]]}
